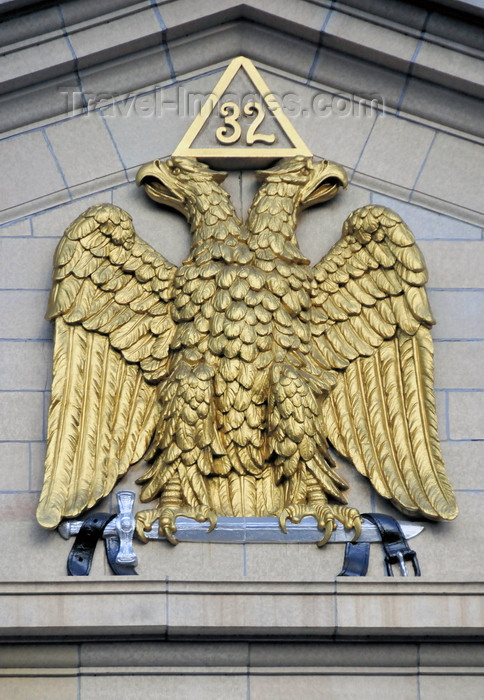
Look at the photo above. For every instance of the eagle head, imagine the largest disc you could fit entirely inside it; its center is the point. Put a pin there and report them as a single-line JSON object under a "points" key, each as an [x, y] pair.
{"points": [[316, 181], [177, 182]]}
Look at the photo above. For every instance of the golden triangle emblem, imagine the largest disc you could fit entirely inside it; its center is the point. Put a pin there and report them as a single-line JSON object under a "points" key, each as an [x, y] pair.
{"points": [[241, 124]]}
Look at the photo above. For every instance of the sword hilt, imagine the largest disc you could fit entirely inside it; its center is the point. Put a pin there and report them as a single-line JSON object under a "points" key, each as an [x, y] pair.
{"points": [[125, 523], [122, 527]]}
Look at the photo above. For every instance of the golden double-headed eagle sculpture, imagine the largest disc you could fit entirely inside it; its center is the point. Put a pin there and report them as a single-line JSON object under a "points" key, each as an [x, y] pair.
{"points": [[232, 373]]}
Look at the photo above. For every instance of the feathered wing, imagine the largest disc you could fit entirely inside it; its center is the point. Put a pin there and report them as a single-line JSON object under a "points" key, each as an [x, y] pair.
{"points": [[110, 302], [371, 323]]}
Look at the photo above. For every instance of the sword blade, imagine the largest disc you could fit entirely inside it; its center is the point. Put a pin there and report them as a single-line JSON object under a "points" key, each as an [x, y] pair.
{"points": [[252, 530], [267, 531]]}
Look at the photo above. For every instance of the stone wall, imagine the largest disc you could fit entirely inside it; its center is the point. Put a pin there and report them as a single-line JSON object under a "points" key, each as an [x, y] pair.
{"points": [[392, 93]]}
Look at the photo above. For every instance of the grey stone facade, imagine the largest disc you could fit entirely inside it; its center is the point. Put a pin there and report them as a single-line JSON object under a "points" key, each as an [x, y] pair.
{"points": [[393, 91]]}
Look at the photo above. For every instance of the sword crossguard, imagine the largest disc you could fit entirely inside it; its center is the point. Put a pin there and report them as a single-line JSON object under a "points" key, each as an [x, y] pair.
{"points": [[122, 527], [125, 524]]}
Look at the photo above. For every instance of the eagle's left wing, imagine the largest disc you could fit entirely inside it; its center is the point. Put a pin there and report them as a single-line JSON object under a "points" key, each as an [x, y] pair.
{"points": [[371, 322], [110, 302]]}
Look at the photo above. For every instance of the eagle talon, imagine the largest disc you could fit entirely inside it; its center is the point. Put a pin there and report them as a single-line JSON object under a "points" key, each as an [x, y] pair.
{"points": [[326, 517], [212, 518], [350, 518], [144, 523], [167, 515], [328, 531], [168, 532], [357, 527]]}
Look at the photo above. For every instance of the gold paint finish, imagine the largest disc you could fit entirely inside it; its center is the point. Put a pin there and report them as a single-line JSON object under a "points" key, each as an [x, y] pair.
{"points": [[233, 371]]}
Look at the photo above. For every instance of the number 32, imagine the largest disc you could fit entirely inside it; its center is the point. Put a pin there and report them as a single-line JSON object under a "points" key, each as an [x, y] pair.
{"points": [[231, 112]]}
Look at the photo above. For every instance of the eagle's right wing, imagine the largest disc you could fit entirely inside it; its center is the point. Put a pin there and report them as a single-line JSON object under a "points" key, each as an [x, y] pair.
{"points": [[110, 302], [372, 327]]}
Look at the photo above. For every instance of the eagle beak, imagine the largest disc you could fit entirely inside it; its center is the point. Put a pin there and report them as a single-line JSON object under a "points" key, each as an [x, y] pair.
{"points": [[325, 184], [161, 185]]}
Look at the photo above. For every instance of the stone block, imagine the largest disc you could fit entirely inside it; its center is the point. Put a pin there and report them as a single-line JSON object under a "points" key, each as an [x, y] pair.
{"points": [[401, 12], [214, 45], [80, 12], [451, 171], [40, 687], [441, 411], [88, 611], [23, 315], [358, 78], [370, 41], [466, 409], [14, 466], [18, 228], [230, 610], [21, 415], [108, 81], [54, 221], [457, 31], [296, 562], [460, 315], [180, 654], [448, 686], [151, 126], [125, 33], [37, 459], [16, 157], [459, 365], [300, 18], [426, 224], [202, 686], [454, 109], [450, 68], [40, 656], [350, 686], [454, 264], [84, 148], [25, 366], [32, 64], [189, 16], [325, 656], [221, 44], [17, 508], [36, 103], [412, 607], [334, 126], [451, 655], [30, 553], [26, 263], [26, 26], [463, 462], [387, 156]]}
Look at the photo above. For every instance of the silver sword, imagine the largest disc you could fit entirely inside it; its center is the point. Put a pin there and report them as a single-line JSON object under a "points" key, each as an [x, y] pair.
{"points": [[228, 530]]}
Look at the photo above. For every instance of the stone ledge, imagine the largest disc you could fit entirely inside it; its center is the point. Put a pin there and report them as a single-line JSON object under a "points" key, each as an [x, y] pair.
{"points": [[198, 657], [112, 33], [354, 609]]}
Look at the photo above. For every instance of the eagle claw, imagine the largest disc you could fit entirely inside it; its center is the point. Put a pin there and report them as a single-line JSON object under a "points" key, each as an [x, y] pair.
{"points": [[325, 516], [167, 516]]}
